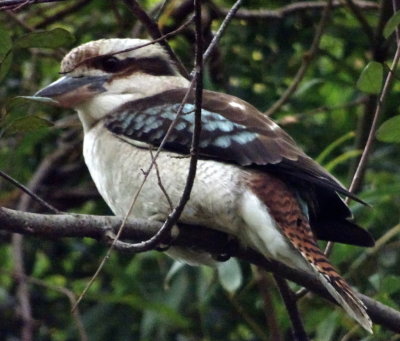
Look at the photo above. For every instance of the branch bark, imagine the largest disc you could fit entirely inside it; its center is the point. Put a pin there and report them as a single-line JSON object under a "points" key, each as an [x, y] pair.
{"points": [[212, 241], [289, 298], [297, 7]]}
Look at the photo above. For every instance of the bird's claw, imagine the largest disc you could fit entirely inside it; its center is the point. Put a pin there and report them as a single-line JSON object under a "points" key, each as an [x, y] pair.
{"points": [[168, 239]]}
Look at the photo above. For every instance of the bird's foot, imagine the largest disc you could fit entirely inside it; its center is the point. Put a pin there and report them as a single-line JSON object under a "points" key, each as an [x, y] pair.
{"points": [[167, 239], [229, 249]]}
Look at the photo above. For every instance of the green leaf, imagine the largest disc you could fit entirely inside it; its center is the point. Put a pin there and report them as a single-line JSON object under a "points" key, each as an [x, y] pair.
{"points": [[371, 77], [325, 330], [307, 86], [174, 269], [42, 264], [29, 99], [330, 166], [389, 131], [391, 25], [24, 104], [13, 108], [28, 123], [230, 275], [5, 43], [57, 37], [331, 147], [390, 285], [20, 107], [375, 280]]}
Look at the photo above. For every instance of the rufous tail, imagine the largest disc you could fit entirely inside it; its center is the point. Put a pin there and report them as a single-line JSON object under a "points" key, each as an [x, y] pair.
{"points": [[283, 205]]}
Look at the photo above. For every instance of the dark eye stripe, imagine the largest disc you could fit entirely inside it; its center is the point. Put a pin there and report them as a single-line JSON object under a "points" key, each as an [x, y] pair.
{"points": [[157, 66]]}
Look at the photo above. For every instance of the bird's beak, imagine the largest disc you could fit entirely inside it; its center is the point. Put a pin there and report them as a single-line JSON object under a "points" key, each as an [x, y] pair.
{"points": [[69, 91]]}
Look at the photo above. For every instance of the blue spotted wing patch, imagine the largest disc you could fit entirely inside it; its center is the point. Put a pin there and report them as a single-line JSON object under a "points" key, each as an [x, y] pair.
{"points": [[219, 136]]}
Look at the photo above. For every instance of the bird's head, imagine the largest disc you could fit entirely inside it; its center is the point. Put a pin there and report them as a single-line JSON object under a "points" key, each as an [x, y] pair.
{"points": [[101, 75]]}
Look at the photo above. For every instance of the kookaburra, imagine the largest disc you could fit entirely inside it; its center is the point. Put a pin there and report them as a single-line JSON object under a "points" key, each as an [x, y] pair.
{"points": [[252, 181]]}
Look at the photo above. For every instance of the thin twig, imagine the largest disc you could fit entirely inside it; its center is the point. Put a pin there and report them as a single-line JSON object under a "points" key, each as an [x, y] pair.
{"points": [[299, 333], [279, 13], [154, 13], [71, 298], [298, 117], [244, 315], [325, 108], [264, 282], [351, 334], [158, 40], [19, 21], [29, 192], [56, 17], [294, 8], [229, 16], [198, 80], [194, 149], [160, 184], [308, 57], [362, 164], [158, 9], [379, 53], [18, 4], [362, 20], [379, 244], [22, 292], [395, 9], [155, 32]]}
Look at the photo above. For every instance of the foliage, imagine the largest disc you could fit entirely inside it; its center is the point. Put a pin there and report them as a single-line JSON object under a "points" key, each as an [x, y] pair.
{"points": [[140, 297]]}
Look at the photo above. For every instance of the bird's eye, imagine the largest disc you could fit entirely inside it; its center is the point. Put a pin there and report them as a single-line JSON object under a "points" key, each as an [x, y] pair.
{"points": [[111, 64]]}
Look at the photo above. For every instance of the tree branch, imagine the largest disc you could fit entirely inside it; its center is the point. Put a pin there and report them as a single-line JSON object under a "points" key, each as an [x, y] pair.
{"points": [[61, 14], [212, 241], [264, 283], [289, 298], [17, 4], [280, 13], [229, 16], [362, 20], [28, 192], [71, 298], [24, 307], [297, 7]]}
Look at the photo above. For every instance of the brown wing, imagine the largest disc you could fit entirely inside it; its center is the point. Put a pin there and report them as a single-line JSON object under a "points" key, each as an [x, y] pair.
{"points": [[235, 131]]}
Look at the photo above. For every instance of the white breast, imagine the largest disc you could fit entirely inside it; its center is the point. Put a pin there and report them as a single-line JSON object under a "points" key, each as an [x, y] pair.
{"points": [[117, 168]]}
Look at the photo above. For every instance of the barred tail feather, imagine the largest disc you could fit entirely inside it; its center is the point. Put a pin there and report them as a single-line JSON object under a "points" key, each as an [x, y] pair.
{"points": [[346, 297], [281, 208]]}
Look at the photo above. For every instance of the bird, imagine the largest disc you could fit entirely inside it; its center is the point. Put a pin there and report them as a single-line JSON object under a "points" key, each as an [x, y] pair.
{"points": [[252, 182]]}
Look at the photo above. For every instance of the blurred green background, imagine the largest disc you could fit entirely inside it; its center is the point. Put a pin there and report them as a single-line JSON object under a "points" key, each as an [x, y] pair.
{"points": [[147, 296]]}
